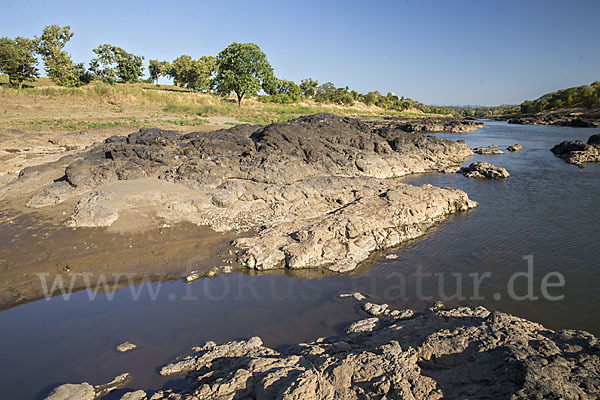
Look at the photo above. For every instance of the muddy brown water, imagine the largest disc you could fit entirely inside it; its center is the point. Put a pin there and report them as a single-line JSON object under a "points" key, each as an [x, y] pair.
{"points": [[547, 211]]}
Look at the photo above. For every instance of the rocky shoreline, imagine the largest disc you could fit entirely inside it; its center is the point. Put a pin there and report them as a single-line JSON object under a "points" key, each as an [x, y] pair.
{"points": [[441, 353], [313, 192], [574, 119]]}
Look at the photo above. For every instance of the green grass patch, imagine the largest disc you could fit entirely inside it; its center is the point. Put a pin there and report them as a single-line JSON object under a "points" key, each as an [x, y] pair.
{"points": [[188, 122]]}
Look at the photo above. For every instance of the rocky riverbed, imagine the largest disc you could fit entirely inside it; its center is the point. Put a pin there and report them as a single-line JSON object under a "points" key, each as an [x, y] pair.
{"points": [[312, 192], [442, 353]]}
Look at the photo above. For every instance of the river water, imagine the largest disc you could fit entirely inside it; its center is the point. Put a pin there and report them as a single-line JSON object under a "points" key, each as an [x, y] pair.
{"points": [[530, 249]]}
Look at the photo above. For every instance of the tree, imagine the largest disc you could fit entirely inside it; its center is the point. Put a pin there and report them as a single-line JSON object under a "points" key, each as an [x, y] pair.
{"points": [[158, 69], [285, 92], [328, 93], [113, 63], [59, 66], [17, 60], [193, 74], [309, 87], [243, 68], [370, 98]]}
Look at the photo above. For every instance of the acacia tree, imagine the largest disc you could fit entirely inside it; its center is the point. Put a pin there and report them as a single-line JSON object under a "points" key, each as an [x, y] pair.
{"points": [[158, 69], [59, 66], [113, 63], [243, 68], [17, 60]]}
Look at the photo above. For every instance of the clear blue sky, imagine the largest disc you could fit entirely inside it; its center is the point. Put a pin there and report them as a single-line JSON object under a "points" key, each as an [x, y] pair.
{"points": [[439, 52]]}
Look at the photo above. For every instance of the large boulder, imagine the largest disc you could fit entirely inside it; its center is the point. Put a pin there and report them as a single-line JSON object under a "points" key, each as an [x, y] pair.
{"points": [[577, 152], [594, 139]]}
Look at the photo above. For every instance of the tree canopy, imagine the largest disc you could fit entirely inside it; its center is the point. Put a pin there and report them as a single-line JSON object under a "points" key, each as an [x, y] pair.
{"points": [[113, 63], [17, 60], [158, 69], [58, 64], [309, 87], [285, 92], [193, 74], [243, 68]]}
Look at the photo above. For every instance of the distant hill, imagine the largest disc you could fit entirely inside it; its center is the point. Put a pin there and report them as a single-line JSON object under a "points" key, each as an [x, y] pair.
{"points": [[576, 106], [586, 97]]}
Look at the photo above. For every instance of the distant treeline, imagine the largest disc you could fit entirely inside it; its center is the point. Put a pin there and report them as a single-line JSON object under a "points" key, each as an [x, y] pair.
{"points": [[240, 68], [485, 112]]}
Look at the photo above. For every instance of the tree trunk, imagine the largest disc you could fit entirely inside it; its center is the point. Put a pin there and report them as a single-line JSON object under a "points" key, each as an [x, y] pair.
{"points": [[20, 84], [239, 96]]}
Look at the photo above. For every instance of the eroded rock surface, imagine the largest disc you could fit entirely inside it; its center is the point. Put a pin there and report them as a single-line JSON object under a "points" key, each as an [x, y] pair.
{"points": [[482, 169], [85, 391], [316, 188], [577, 152], [454, 354]]}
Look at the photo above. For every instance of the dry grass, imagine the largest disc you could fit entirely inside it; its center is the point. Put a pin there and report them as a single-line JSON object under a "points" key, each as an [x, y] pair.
{"points": [[45, 106]]}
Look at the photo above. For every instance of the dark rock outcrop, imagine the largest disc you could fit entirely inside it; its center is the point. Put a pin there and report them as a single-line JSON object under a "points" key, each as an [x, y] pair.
{"points": [[577, 152], [429, 125], [314, 188]]}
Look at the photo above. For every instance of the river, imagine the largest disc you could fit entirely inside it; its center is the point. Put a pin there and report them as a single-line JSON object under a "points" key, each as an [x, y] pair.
{"points": [[540, 224]]}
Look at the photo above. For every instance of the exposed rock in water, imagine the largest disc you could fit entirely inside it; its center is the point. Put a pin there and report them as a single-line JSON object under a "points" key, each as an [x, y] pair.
{"points": [[487, 151], [454, 354], [515, 147], [482, 169], [125, 347], [137, 395], [372, 215], [70, 391], [356, 295], [429, 125], [85, 391], [315, 188], [579, 153]]}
